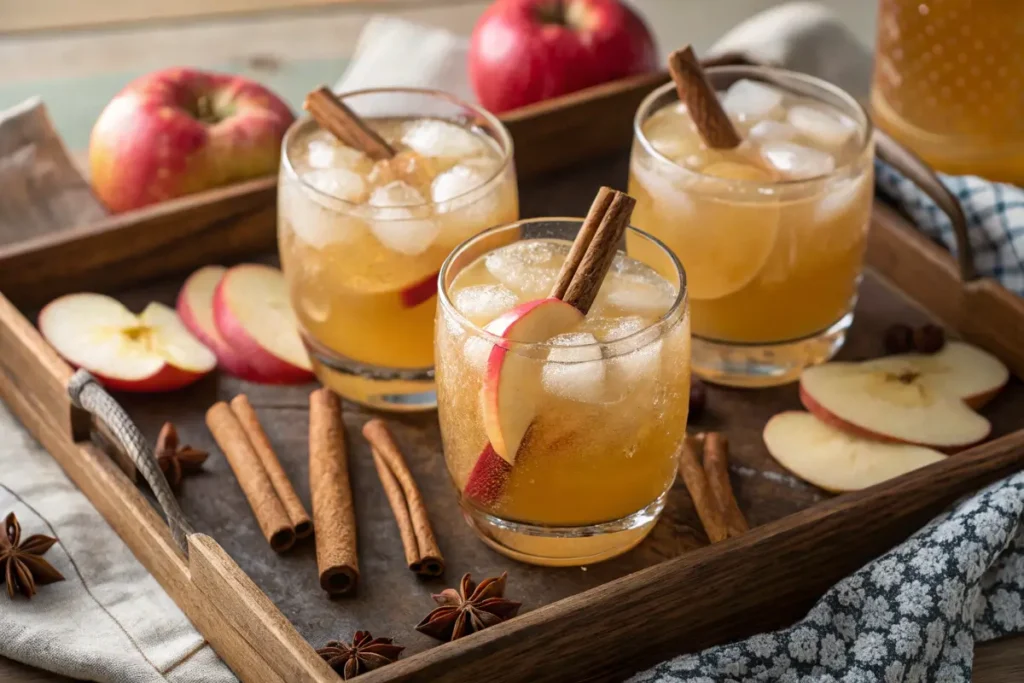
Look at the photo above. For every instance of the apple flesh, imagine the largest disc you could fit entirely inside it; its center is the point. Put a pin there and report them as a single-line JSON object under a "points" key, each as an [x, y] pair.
{"points": [[195, 307], [252, 312], [511, 389], [908, 399], [526, 51], [178, 131], [836, 460], [149, 352]]}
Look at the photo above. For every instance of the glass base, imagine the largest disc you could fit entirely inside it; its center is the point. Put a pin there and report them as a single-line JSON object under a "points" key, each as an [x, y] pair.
{"points": [[399, 390], [765, 365], [564, 546]]}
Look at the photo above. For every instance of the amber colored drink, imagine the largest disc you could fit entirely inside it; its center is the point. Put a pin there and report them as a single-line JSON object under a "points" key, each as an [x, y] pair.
{"points": [[772, 233], [362, 241], [948, 82], [611, 397]]}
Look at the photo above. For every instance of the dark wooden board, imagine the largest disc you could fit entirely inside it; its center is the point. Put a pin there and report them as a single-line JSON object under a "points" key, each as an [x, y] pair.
{"points": [[390, 600]]}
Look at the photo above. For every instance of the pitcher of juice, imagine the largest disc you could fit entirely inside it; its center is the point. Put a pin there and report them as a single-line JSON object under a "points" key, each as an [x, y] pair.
{"points": [[949, 83]]}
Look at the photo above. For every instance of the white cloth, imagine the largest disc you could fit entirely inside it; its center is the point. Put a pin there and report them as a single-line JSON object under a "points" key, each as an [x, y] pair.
{"points": [[109, 620]]}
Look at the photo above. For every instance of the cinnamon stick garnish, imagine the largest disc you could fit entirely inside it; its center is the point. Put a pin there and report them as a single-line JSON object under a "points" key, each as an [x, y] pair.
{"points": [[247, 417], [713, 124], [252, 477], [716, 466], [344, 124], [700, 492], [421, 551], [333, 511], [582, 242]]}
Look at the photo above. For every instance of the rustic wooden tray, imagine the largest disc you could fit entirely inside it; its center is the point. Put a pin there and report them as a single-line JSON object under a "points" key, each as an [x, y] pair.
{"points": [[264, 613]]}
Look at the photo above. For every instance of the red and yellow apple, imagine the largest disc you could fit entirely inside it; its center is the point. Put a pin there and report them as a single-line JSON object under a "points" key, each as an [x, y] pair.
{"points": [[178, 131], [149, 352], [526, 51], [195, 308]]}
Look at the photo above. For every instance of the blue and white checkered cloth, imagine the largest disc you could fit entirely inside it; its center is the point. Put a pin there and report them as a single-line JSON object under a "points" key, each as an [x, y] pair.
{"points": [[995, 220]]}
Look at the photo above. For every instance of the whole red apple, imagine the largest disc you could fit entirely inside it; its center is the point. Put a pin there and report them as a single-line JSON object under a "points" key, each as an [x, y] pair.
{"points": [[178, 131], [525, 51]]}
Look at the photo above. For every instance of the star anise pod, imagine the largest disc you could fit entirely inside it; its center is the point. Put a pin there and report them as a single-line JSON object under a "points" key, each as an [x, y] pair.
{"points": [[22, 567], [469, 609], [366, 653], [175, 461]]}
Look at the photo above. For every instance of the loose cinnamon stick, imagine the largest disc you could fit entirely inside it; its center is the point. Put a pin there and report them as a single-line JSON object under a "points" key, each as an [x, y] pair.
{"points": [[597, 257], [716, 466], [333, 511], [250, 422], [700, 492], [333, 116], [252, 478], [421, 550], [702, 103]]}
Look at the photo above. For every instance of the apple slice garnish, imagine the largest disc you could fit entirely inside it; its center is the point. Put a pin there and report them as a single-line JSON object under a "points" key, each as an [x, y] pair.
{"points": [[419, 292], [836, 460], [253, 314], [909, 399], [149, 352], [511, 389], [195, 307]]}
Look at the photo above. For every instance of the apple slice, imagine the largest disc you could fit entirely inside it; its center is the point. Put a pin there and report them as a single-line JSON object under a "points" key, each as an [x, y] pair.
{"points": [[419, 292], [836, 460], [252, 312], [893, 402], [958, 369], [511, 389], [152, 351], [195, 307]]}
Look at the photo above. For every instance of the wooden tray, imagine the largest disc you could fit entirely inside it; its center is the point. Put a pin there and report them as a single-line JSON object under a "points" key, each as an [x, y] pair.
{"points": [[672, 594]]}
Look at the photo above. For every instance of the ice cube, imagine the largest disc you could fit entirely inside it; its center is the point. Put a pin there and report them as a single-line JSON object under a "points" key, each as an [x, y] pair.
{"points": [[483, 303], [323, 150], [574, 369], [769, 130], [638, 295], [749, 100], [639, 365], [339, 183], [796, 162], [436, 138], [401, 222], [840, 197], [316, 219], [476, 351], [528, 268], [821, 127], [457, 181], [620, 328]]}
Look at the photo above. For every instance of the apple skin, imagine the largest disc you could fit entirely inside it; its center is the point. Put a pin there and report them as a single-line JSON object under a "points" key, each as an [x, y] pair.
{"points": [[488, 478], [416, 294], [150, 143], [522, 51]]}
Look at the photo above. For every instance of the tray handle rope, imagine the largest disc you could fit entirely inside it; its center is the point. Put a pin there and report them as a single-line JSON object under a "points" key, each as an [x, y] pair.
{"points": [[86, 393]]}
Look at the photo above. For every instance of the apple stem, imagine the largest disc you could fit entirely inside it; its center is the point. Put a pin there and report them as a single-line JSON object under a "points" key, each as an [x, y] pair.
{"points": [[553, 13]]}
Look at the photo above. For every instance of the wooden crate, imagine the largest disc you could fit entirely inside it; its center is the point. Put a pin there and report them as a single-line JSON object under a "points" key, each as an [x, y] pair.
{"points": [[264, 614]]}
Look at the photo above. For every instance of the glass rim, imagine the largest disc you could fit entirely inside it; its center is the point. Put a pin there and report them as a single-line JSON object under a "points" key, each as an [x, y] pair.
{"points": [[504, 141], [743, 69], [450, 309]]}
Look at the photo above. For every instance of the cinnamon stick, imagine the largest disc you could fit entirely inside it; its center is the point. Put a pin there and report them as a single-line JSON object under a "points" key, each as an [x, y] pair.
{"points": [[582, 242], [716, 466], [611, 211], [336, 118], [713, 124], [421, 551], [700, 492], [252, 477], [333, 510], [250, 422]]}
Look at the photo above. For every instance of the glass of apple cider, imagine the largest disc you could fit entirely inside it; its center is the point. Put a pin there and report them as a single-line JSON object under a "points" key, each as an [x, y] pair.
{"points": [[562, 450], [772, 233], [948, 81], [362, 241]]}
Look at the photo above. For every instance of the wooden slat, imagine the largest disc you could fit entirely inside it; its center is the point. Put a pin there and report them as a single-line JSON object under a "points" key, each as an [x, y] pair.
{"points": [[757, 582]]}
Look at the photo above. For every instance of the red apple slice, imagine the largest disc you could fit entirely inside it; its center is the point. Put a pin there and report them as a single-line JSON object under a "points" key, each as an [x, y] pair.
{"points": [[195, 306], [252, 312], [149, 352], [418, 293], [836, 460], [893, 403], [958, 369], [511, 389]]}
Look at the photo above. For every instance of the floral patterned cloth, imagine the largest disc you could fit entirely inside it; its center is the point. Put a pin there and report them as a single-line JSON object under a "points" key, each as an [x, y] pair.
{"points": [[911, 616]]}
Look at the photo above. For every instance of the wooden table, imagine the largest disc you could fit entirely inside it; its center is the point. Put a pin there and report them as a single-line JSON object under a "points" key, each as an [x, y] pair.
{"points": [[76, 73]]}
